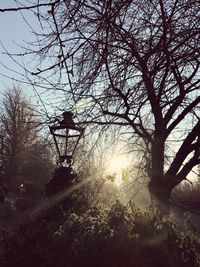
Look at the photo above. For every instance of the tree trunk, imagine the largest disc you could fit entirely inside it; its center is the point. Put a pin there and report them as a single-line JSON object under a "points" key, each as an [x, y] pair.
{"points": [[160, 187], [160, 191]]}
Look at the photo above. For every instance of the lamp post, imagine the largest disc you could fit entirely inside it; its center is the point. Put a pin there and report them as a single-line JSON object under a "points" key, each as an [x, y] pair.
{"points": [[66, 135]]}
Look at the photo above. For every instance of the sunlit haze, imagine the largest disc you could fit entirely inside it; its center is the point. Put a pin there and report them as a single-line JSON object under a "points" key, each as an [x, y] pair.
{"points": [[115, 165]]}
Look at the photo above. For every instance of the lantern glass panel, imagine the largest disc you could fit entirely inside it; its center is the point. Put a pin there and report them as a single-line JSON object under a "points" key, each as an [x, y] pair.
{"points": [[67, 140]]}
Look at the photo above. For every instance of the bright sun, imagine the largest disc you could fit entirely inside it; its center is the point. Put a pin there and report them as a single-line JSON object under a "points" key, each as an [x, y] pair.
{"points": [[115, 165]]}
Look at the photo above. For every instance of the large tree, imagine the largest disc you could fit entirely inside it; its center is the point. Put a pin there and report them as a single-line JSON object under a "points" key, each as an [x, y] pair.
{"points": [[136, 64]]}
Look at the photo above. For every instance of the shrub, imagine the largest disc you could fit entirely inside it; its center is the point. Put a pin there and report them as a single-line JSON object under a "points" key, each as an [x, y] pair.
{"points": [[120, 236]]}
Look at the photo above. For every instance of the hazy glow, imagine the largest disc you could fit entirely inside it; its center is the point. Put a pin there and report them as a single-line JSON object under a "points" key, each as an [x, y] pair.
{"points": [[115, 165]]}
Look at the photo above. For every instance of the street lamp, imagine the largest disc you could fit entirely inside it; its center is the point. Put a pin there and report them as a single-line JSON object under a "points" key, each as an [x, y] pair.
{"points": [[66, 136]]}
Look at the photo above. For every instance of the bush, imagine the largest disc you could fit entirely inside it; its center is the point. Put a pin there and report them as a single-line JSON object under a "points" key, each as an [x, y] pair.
{"points": [[120, 236]]}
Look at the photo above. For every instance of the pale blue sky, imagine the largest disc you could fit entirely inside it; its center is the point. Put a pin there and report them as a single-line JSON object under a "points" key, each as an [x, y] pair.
{"points": [[13, 31]]}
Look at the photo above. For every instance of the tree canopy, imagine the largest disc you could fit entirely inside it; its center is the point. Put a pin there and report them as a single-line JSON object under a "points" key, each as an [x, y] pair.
{"points": [[136, 65], [24, 155]]}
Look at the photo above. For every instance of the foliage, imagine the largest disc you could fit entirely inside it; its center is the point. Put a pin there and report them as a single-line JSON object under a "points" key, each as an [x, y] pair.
{"points": [[19, 133], [24, 154], [119, 236], [187, 197], [37, 167]]}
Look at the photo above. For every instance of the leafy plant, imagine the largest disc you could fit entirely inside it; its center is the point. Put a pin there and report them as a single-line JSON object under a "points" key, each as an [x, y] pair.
{"points": [[118, 236]]}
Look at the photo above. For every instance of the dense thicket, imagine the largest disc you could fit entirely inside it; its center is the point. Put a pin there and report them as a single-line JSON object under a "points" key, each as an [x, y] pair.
{"points": [[104, 237]]}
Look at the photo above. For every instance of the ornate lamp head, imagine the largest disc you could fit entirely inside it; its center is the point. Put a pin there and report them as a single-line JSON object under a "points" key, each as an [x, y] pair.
{"points": [[66, 134]]}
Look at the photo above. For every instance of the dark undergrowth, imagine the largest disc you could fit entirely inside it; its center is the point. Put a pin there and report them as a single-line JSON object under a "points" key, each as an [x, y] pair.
{"points": [[116, 237]]}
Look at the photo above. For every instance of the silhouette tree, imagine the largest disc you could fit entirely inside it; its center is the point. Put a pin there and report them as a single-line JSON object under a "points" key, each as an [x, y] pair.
{"points": [[18, 127], [136, 63]]}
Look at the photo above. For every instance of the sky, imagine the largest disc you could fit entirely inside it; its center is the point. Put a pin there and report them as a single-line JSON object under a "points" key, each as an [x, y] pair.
{"points": [[13, 32]]}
